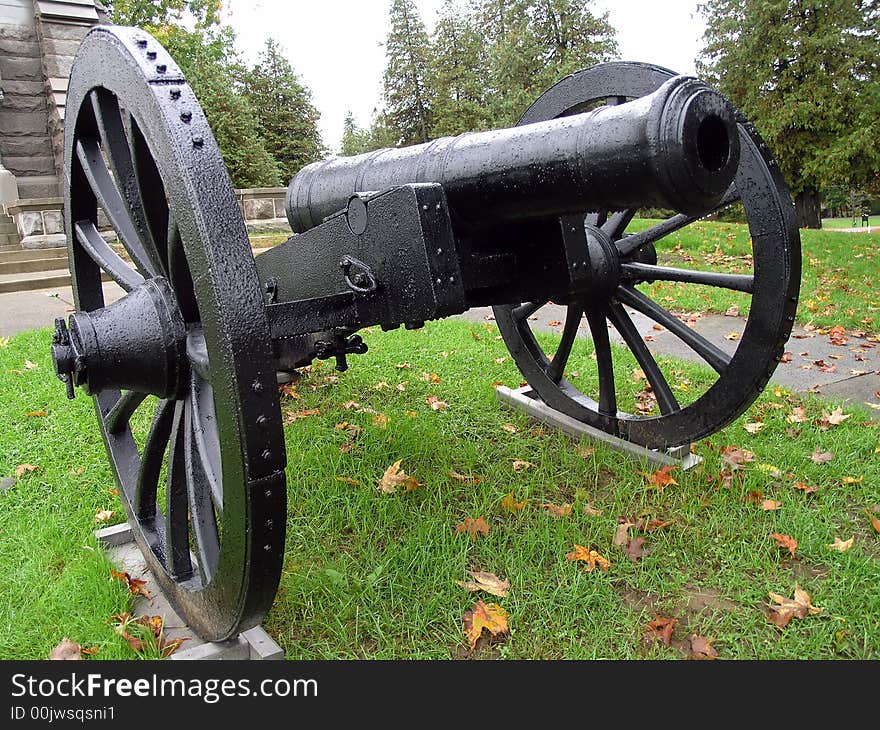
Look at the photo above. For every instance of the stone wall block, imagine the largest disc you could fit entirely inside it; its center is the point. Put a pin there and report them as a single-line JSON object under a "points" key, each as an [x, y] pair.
{"points": [[52, 222], [29, 223], [259, 209]]}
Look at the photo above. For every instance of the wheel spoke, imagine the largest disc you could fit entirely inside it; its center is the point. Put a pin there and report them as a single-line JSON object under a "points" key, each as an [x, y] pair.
{"points": [[151, 189], [626, 328], [202, 517], [526, 310], [122, 411], [596, 218], [602, 346], [628, 244], [151, 460], [569, 333], [178, 271], [116, 145], [107, 194], [197, 353], [207, 437], [103, 255], [617, 223], [715, 357], [178, 564], [648, 272]]}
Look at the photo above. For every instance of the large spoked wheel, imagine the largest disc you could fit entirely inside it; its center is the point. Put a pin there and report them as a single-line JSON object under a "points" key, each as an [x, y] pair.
{"points": [[138, 147], [773, 285]]}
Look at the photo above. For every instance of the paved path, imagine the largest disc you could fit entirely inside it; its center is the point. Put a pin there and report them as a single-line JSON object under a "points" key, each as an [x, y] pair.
{"points": [[851, 372]]}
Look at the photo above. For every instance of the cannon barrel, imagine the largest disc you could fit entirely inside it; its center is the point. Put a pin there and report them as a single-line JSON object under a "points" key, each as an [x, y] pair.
{"points": [[676, 148]]}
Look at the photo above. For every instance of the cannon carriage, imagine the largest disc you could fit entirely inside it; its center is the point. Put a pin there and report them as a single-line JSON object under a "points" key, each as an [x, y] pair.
{"points": [[511, 218]]}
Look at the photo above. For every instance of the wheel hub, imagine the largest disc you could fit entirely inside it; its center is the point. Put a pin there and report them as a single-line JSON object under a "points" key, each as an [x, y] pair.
{"points": [[137, 343], [595, 273]]}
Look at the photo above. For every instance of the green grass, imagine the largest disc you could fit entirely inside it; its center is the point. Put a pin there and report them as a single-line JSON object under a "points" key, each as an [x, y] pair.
{"points": [[873, 220], [838, 284], [373, 575]]}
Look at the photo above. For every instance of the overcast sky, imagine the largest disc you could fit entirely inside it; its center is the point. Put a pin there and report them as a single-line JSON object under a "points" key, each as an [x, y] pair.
{"points": [[336, 46]]}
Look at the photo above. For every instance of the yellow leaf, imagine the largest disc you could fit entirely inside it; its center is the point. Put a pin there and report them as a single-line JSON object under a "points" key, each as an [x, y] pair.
{"points": [[520, 465], [489, 616], [24, 468], [875, 521], [753, 428], [555, 510], [590, 557], [510, 504], [348, 480], [395, 477], [842, 545], [853, 480], [509, 427], [436, 404], [380, 420], [102, 515], [36, 414], [28, 365]]}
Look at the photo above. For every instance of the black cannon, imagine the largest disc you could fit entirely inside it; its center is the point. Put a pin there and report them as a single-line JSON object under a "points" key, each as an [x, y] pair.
{"points": [[511, 218]]}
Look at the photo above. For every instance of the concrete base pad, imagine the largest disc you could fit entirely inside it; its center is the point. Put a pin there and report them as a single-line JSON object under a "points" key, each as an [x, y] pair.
{"points": [[525, 399], [252, 644]]}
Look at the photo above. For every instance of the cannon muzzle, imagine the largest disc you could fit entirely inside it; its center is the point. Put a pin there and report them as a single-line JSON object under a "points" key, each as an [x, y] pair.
{"points": [[676, 148]]}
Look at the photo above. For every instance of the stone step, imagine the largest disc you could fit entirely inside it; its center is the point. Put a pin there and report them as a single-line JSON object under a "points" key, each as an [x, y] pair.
{"points": [[7, 226], [9, 239], [42, 186], [33, 266], [30, 282], [32, 254]]}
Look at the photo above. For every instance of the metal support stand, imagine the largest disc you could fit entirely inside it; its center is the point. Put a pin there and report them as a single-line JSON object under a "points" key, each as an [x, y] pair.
{"points": [[252, 644], [525, 399]]}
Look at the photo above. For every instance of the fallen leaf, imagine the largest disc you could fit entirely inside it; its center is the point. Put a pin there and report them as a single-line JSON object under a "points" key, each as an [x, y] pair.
{"points": [[500, 360], [875, 521], [36, 414], [403, 366], [852, 480], [660, 629], [592, 511], [431, 378], [380, 420], [22, 469], [731, 312], [788, 608], [291, 417], [655, 524], [621, 536], [510, 504], [509, 427], [786, 542], [585, 452], [488, 582], [136, 586], [465, 478], [662, 478], [473, 527], [821, 457], [381, 385], [835, 418], [520, 464], [702, 648], [731, 336], [590, 557], [554, 323], [770, 505], [786, 357], [753, 428], [28, 365], [435, 403], [395, 477], [348, 480], [554, 510], [635, 549], [288, 390], [735, 457], [489, 616], [842, 545], [837, 336], [102, 515], [4, 342], [67, 650], [806, 488], [754, 496]]}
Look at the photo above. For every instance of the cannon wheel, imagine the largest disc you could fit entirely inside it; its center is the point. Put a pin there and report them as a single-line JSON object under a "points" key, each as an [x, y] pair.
{"points": [[773, 285], [138, 147]]}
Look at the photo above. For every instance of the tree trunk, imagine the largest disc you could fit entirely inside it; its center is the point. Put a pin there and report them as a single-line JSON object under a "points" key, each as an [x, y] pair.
{"points": [[806, 206]]}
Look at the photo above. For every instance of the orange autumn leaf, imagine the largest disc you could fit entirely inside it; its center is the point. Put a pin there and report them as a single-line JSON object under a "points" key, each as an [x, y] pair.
{"points": [[489, 582], [436, 404], [136, 586], [875, 521], [701, 648], [22, 469], [662, 478], [660, 629], [291, 417], [798, 607], [555, 510], [787, 542], [102, 515], [36, 414], [431, 378], [590, 557], [465, 478], [473, 527], [348, 480], [806, 488], [510, 504], [489, 616], [770, 505]]}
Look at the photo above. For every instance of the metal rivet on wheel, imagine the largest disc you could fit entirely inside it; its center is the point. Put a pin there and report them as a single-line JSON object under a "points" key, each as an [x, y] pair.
{"points": [[262, 421], [439, 251], [267, 548], [151, 55], [257, 386], [161, 68], [269, 524], [142, 43], [198, 141], [268, 493], [175, 93], [267, 454], [186, 116]]}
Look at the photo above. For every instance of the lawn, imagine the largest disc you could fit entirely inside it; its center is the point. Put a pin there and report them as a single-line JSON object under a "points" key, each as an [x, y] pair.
{"points": [[873, 220], [374, 575], [838, 284]]}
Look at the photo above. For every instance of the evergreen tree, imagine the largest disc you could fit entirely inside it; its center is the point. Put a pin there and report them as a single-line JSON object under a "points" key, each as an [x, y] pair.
{"points": [[458, 74], [406, 92], [285, 115], [806, 74], [208, 60], [355, 140]]}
